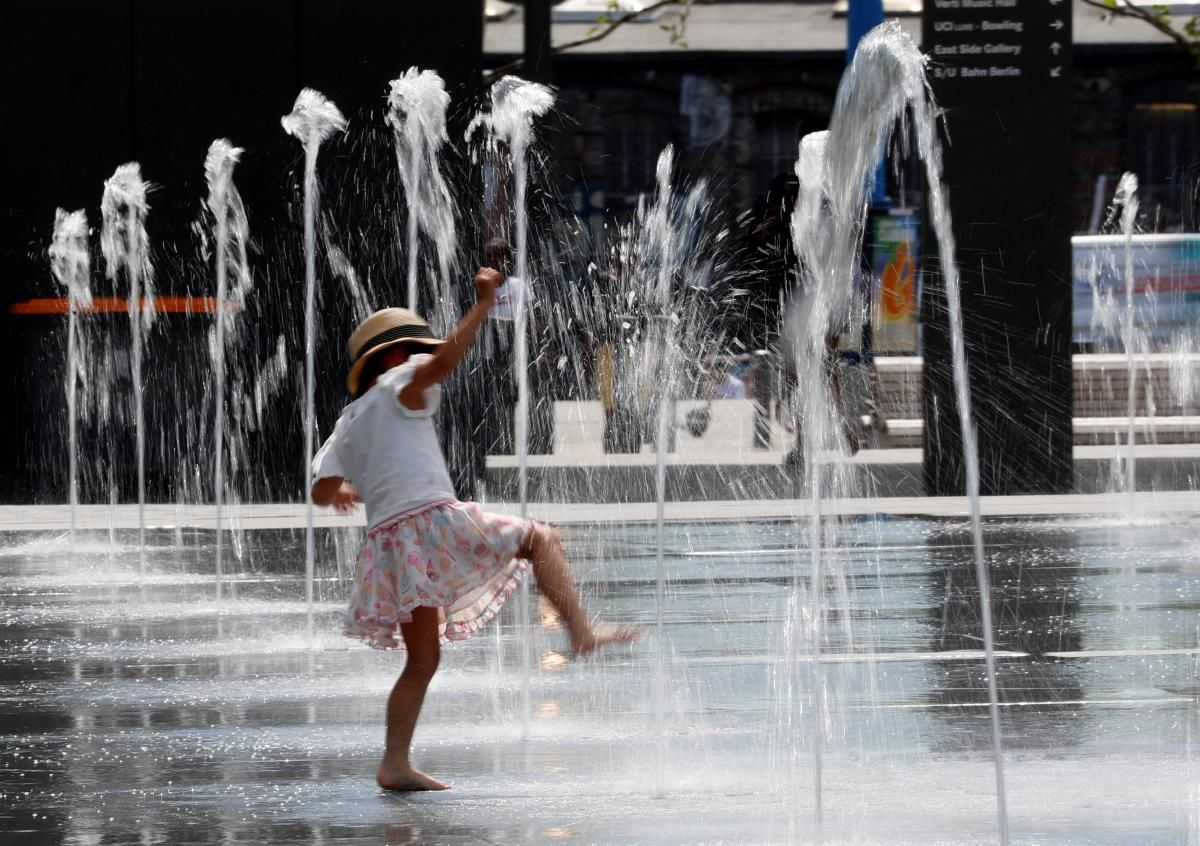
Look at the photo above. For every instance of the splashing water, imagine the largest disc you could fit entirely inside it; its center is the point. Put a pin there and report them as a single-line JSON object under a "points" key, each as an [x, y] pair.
{"points": [[344, 270], [924, 119], [271, 375], [70, 261], [417, 103], [1115, 302], [813, 235], [1183, 375], [661, 264], [123, 240], [659, 230], [516, 103], [312, 120], [232, 233], [885, 82], [1126, 198], [71, 265]]}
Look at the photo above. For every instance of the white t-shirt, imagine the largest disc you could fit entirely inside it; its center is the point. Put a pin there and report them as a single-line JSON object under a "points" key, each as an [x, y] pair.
{"points": [[390, 453]]}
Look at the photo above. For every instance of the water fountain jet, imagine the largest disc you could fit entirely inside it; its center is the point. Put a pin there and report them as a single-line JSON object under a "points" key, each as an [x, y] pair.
{"points": [[126, 246], [884, 84], [417, 102], [71, 265], [231, 234], [312, 120], [1126, 198], [516, 103]]}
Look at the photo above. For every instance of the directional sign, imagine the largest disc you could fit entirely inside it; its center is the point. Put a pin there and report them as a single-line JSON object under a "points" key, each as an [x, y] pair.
{"points": [[1001, 70]]}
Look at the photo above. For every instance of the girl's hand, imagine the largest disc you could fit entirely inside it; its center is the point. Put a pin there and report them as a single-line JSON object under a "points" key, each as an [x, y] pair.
{"points": [[487, 281], [345, 498], [450, 353]]}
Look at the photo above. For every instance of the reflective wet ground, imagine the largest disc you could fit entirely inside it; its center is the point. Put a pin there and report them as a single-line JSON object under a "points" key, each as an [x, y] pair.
{"points": [[142, 710]]}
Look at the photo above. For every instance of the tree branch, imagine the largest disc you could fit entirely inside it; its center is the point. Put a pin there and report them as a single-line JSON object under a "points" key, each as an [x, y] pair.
{"points": [[607, 28], [1141, 13]]}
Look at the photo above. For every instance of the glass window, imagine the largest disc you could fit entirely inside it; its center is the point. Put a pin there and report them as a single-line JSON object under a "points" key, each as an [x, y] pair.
{"points": [[776, 144], [633, 141], [1164, 152]]}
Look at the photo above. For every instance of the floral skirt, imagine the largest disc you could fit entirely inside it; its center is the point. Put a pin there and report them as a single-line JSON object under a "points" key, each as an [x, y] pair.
{"points": [[453, 556]]}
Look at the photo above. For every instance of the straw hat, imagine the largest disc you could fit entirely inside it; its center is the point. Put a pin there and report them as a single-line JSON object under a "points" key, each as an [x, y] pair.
{"points": [[385, 328]]}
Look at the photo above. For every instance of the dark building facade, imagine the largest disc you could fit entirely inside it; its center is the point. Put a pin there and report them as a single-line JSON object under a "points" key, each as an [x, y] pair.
{"points": [[736, 121], [91, 85]]}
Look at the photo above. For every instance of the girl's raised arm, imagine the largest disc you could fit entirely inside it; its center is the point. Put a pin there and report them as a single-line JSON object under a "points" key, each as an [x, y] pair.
{"points": [[442, 363]]}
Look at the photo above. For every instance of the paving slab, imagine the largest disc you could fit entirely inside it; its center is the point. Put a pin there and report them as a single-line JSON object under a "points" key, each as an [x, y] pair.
{"points": [[138, 708]]}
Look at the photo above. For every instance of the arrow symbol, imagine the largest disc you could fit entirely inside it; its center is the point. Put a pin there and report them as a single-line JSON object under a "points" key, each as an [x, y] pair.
{"points": [[1055, 47], [1056, 71], [1056, 24]]}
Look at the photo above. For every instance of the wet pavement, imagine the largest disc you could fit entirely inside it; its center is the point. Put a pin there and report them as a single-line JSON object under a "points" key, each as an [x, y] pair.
{"points": [[141, 709]]}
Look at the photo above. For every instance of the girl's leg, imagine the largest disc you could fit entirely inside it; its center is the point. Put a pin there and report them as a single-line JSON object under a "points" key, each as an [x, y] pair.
{"points": [[396, 772], [544, 549]]}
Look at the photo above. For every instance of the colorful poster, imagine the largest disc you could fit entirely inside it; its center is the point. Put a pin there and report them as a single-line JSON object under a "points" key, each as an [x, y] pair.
{"points": [[896, 264]]}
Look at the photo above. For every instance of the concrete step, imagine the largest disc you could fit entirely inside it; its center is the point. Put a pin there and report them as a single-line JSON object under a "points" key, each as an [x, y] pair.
{"points": [[729, 436], [871, 472], [1088, 431], [1167, 384]]}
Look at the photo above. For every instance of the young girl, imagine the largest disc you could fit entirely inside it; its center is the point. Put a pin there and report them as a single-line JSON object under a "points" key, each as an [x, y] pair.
{"points": [[432, 568]]}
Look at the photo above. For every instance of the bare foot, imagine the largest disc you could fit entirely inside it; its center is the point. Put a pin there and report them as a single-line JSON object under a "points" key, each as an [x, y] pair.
{"points": [[406, 777], [602, 636]]}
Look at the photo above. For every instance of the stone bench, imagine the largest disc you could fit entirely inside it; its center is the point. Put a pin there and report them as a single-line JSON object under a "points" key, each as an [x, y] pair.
{"points": [[1168, 385], [1089, 431]]}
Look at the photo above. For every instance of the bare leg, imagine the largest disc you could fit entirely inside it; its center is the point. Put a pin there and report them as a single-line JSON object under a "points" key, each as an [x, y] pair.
{"points": [[404, 704], [544, 548]]}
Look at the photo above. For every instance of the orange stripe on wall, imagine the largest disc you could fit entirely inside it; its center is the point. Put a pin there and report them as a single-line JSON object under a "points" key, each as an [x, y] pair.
{"points": [[107, 305]]}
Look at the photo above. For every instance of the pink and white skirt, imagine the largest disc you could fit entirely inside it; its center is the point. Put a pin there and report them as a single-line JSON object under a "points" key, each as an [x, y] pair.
{"points": [[451, 555]]}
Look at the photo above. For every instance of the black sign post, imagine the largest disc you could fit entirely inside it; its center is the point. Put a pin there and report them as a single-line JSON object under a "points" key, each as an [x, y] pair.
{"points": [[1001, 69]]}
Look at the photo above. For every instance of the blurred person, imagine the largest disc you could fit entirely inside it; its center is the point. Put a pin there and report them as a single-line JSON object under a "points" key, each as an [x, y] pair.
{"points": [[722, 384], [499, 346]]}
